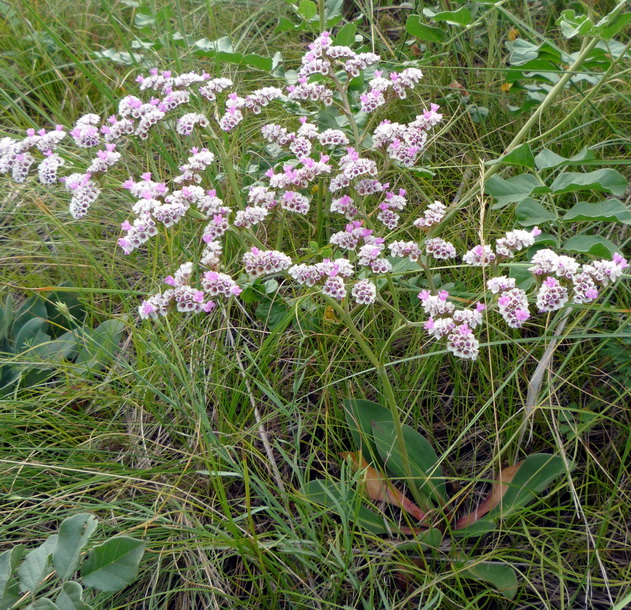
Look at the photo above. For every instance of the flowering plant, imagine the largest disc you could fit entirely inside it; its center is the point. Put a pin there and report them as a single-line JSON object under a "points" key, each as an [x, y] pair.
{"points": [[333, 177]]}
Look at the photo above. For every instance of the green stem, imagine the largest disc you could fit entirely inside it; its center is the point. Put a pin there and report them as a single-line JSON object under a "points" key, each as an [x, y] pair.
{"points": [[386, 387]]}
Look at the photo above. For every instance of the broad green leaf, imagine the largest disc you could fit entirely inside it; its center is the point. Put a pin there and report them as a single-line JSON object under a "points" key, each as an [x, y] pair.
{"points": [[258, 61], [359, 415], [609, 26], [34, 308], [612, 210], [513, 189], [36, 565], [346, 36], [547, 159], [113, 565], [460, 17], [530, 212], [333, 10], [284, 25], [522, 155], [533, 476], [523, 51], [427, 540], [44, 604], [426, 471], [74, 534], [591, 244], [71, 597], [31, 334], [99, 345], [572, 24], [273, 313], [9, 591], [414, 27], [221, 48], [307, 9], [329, 495], [608, 180], [500, 576]]}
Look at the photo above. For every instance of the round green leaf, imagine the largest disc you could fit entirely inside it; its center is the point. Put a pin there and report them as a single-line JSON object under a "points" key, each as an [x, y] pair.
{"points": [[74, 534]]}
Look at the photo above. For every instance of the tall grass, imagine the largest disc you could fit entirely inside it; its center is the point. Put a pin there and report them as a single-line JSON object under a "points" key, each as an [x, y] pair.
{"points": [[200, 436]]}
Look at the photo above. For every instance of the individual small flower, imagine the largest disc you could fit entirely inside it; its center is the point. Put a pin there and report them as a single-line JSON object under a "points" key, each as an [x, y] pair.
{"points": [[360, 62], [388, 218], [372, 100], [544, 262], [262, 262], [566, 267], [471, 317], [514, 241], [187, 122], [262, 196], [369, 186], [513, 307], [380, 266], [369, 252], [364, 292], [213, 87], [478, 256], [344, 205], [501, 283], [215, 228], [220, 284], [604, 271], [585, 289], [250, 216], [21, 164], [47, 169], [310, 91], [294, 202], [462, 342], [84, 192], [231, 119], [155, 306], [104, 159], [182, 276], [403, 249], [260, 98], [440, 249], [174, 99], [332, 137], [551, 296], [406, 79], [334, 287], [436, 305], [440, 327], [86, 133], [188, 299], [211, 256]]}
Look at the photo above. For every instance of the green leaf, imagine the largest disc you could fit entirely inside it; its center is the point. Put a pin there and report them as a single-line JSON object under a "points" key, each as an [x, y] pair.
{"points": [[113, 565], [530, 212], [535, 473], [476, 529], [523, 51], [608, 27], [284, 25], [307, 9], [591, 244], [333, 10], [44, 604], [426, 471], [547, 159], [99, 346], [31, 334], [346, 36], [359, 415], [514, 189], [612, 210], [522, 155], [221, 48], [273, 313], [500, 576], [34, 308], [74, 534], [460, 17], [427, 540], [6, 317], [71, 597], [258, 61], [608, 180], [9, 591], [330, 495], [414, 27], [572, 24], [35, 565]]}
